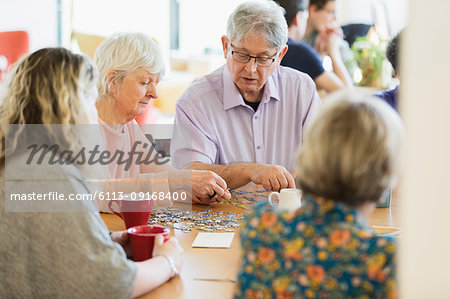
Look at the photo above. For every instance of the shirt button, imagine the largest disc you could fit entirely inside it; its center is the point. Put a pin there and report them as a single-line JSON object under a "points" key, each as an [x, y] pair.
{"points": [[256, 117], [258, 147]]}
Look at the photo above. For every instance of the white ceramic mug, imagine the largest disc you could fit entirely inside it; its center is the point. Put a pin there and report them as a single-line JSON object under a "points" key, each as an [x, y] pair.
{"points": [[289, 199]]}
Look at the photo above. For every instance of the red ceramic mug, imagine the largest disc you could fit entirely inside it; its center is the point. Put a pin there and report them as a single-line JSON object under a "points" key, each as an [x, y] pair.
{"points": [[133, 212], [142, 240]]}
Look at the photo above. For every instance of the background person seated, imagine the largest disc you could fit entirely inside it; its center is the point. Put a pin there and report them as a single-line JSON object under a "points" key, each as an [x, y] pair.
{"points": [[322, 34], [325, 249], [392, 52], [303, 57]]}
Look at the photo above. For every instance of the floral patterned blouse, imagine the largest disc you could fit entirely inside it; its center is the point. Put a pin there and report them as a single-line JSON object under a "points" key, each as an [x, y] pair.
{"points": [[323, 250]]}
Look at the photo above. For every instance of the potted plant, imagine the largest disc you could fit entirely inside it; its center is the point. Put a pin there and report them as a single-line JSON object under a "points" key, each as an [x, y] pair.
{"points": [[369, 52]]}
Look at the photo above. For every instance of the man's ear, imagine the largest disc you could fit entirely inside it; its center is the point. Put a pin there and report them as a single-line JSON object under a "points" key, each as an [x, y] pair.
{"points": [[297, 18], [111, 82], [282, 53], [312, 9], [225, 43]]}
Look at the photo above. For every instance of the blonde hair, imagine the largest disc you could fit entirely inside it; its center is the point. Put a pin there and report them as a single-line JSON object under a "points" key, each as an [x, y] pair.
{"points": [[351, 150], [46, 87], [124, 53]]}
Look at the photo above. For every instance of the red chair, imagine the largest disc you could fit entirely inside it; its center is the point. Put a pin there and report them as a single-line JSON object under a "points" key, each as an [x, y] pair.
{"points": [[13, 45]]}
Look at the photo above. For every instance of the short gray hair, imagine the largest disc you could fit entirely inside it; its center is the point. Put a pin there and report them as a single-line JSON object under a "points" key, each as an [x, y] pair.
{"points": [[125, 53], [263, 17], [351, 150]]}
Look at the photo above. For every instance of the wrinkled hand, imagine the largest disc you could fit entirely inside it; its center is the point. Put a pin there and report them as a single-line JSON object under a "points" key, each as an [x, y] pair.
{"points": [[204, 184], [121, 237], [200, 185], [294, 174], [171, 248], [271, 177]]}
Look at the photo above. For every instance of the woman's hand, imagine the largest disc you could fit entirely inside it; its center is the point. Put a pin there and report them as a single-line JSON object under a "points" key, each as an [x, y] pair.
{"points": [[157, 270], [121, 237], [171, 249]]}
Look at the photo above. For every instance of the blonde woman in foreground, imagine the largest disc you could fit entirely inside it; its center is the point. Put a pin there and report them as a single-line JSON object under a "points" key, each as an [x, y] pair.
{"points": [[63, 254]]}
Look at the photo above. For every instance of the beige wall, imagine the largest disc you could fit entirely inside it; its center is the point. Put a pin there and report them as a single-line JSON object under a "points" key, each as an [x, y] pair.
{"points": [[425, 200], [105, 17]]}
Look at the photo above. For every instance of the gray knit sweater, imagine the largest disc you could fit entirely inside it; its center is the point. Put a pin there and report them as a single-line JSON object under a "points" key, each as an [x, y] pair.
{"points": [[57, 254]]}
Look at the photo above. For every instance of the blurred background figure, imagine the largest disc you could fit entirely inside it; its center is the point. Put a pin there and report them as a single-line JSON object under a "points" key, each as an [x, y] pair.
{"points": [[303, 57], [325, 249], [392, 54], [325, 36]]}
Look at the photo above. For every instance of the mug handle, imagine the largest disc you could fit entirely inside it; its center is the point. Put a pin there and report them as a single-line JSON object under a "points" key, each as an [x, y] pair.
{"points": [[110, 205], [269, 199]]}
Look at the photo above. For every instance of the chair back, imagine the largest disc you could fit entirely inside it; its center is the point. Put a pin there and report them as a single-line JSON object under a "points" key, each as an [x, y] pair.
{"points": [[13, 45], [87, 43]]}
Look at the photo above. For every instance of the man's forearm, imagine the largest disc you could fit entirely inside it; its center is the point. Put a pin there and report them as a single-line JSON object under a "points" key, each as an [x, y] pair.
{"points": [[235, 175]]}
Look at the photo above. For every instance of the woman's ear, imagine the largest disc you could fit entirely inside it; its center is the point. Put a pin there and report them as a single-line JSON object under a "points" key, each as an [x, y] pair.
{"points": [[111, 83]]}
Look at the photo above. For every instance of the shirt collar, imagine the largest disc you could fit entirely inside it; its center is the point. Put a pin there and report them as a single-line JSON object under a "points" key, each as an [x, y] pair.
{"points": [[233, 98]]}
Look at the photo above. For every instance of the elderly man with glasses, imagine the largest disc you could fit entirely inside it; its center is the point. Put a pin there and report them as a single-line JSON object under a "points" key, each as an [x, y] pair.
{"points": [[245, 120]]}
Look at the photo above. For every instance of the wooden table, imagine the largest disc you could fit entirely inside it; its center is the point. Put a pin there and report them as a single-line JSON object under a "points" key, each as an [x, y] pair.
{"points": [[218, 263]]}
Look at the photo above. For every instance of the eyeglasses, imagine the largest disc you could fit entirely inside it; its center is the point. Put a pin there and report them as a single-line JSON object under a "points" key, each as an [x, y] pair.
{"points": [[260, 61]]}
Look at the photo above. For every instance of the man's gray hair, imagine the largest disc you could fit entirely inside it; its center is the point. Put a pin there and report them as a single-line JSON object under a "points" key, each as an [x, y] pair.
{"points": [[124, 53], [263, 17]]}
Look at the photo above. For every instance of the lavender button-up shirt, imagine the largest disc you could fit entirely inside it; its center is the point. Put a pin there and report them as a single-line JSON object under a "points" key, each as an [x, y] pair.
{"points": [[213, 125]]}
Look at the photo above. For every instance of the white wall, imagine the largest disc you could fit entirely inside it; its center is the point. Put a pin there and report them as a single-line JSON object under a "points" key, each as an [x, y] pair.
{"points": [[203, 22], [425, 196], [361, 11], [398, 14], [39, 18]]}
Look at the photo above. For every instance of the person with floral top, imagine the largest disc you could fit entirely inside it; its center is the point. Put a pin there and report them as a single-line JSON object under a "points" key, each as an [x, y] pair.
{"points": [[326, 249]]}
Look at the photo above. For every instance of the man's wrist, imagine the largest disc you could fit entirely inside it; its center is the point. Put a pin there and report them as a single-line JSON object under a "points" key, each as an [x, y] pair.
{"points": [[247, 170]]}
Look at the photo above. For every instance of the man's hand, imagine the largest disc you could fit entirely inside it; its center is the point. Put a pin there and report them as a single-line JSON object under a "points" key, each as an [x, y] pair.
{"points": [[203, 186], [208, 187], [271, 177], [206, 200]]}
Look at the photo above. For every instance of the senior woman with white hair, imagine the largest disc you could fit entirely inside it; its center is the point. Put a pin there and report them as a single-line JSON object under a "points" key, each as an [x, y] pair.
{"points": [[325, 249], [130, 66]]}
